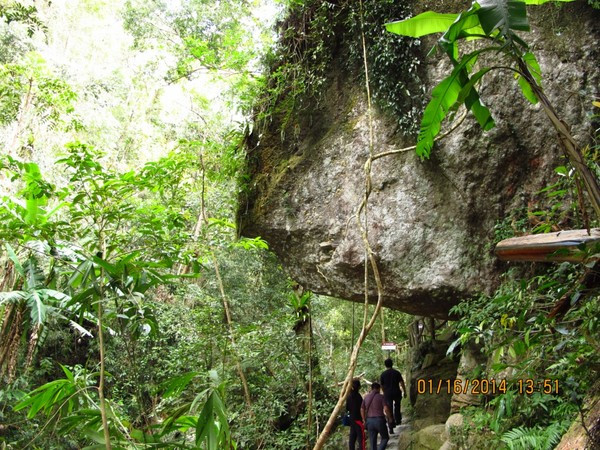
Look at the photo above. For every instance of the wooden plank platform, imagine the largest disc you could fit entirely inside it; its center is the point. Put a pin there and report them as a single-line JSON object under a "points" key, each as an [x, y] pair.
{"points": [[548, 247]]}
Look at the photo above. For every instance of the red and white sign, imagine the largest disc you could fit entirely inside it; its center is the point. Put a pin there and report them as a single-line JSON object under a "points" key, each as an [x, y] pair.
{"points": [[388, 346]]}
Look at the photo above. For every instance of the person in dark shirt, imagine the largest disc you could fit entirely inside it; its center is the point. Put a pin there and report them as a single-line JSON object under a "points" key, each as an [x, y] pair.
{"points": [[357, 428], [374, 411], [392, 382]]}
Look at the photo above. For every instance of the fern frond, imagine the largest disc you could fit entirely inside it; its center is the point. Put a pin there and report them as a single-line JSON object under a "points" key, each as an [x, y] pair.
{"points": [[524, 438]]}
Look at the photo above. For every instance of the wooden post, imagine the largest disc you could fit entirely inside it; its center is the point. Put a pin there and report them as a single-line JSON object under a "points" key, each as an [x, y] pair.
{"points": [[549, 247]]}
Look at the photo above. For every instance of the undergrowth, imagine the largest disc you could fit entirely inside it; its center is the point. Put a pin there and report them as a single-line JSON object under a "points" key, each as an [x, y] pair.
{"points": [[522, 341]]}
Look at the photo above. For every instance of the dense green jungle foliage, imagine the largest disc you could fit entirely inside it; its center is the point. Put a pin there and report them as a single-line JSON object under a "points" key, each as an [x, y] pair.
{"points": [[133, 316]]}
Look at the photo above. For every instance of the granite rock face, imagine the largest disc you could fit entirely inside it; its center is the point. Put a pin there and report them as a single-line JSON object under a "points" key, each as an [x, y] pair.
{"points": [[430, 222]]}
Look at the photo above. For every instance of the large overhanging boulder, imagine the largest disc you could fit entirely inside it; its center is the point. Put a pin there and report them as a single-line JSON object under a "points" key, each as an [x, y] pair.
{"points": [[431, 223]]}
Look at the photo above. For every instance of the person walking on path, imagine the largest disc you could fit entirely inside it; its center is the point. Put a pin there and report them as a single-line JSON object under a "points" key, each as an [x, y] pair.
{"points": [[374, 411], [357, 427], [393, 388]]}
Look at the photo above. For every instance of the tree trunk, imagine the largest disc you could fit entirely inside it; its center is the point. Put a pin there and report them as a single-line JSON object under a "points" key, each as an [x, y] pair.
{"points": [[101, 345], [101, 383], [304, 332], [231, 336]]}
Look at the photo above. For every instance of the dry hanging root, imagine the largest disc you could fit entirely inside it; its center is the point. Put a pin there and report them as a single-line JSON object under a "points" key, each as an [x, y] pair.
{"points": [[368, 256]]}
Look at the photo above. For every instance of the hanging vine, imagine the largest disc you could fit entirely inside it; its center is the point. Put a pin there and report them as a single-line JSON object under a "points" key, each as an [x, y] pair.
{"points": [[369, 256], [361, 217]]}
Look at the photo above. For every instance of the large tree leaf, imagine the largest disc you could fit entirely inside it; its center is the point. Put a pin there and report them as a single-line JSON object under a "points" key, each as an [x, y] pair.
{"points": [[14, 258], [85, 297], [466, 20], [56, 295], [443, 97], [425, 23], [464, 92], [536, 72], [34, 195], [526, 89], [212, 427], [175, 385], [219, 409], [39, 398], [504, 15], [37, 307], [80, 274], [35, 214], [82, 331], [34, 276], [205, 421], [68, 373], [480, 111], [471, 99], [86, 419], [474, 104], [111, 269]]}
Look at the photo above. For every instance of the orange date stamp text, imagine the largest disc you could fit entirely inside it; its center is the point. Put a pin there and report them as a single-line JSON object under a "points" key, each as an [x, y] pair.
{"points": [[485, 386]]}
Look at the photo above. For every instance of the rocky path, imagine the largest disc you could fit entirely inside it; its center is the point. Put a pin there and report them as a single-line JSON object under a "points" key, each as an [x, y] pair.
{"points": [[396, 441], [394, 438]]}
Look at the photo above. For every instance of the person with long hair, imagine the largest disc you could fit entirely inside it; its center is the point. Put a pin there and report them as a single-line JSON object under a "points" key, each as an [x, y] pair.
{"points": [[357, 427]]}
